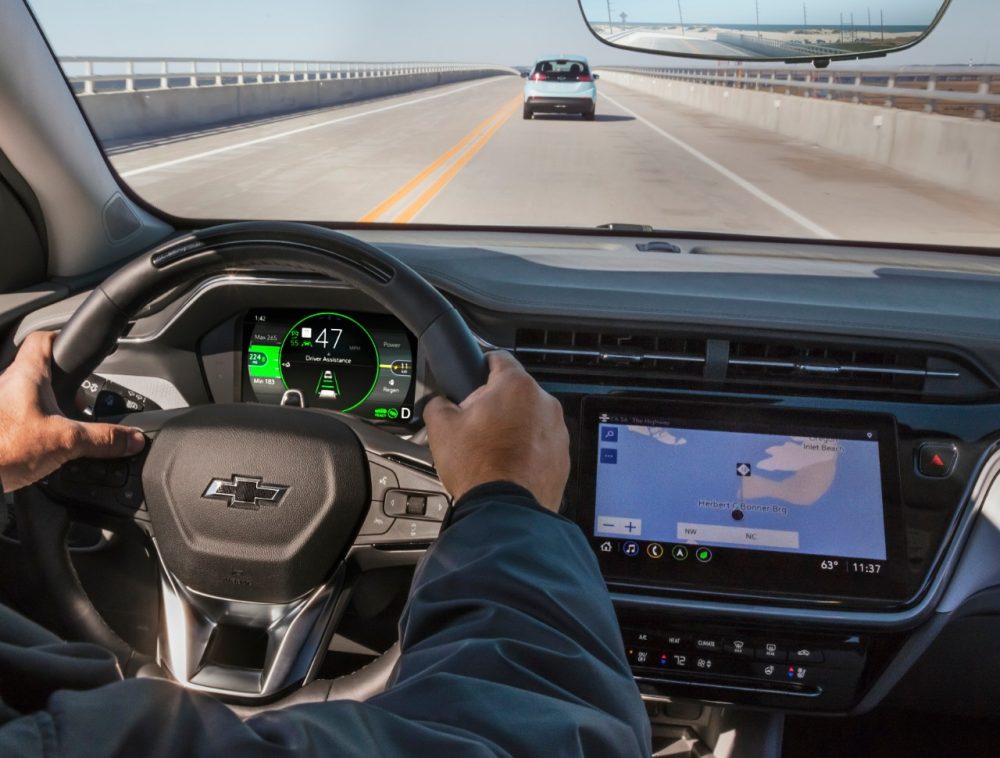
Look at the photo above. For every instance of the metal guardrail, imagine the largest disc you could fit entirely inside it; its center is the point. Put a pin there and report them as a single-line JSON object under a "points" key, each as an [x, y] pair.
{"points": [[92, 75], [964, 91], [758, 43]]}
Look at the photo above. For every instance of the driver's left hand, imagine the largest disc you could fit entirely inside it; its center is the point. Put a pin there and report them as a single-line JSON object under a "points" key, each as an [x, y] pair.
{"points": [[35, 437]]}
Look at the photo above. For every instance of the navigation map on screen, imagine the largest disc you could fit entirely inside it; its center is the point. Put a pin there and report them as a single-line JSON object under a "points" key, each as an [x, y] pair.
{"points": [[810, 495]]}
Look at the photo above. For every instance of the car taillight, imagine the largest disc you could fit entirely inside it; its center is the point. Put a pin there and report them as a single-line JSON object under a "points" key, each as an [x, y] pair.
{"points": [[539, 77], [584, 78]]}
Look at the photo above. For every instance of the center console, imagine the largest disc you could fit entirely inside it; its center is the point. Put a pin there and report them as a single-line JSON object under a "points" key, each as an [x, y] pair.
{"points": [[747, 509]]}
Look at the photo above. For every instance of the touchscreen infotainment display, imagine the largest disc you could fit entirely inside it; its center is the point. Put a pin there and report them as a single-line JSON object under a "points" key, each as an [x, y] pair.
{"points": [[786, 493], [750, 500]]}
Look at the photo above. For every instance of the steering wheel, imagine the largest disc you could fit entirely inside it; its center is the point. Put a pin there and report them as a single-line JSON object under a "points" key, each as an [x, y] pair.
{"points": [[252, 509]]}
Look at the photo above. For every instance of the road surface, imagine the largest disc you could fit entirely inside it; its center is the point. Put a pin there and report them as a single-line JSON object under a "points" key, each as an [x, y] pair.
{"points": [[461, 154], [678, 43]]}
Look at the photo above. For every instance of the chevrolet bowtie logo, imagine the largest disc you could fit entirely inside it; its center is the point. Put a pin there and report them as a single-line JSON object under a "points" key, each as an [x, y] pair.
{"points": [[245, 492]]}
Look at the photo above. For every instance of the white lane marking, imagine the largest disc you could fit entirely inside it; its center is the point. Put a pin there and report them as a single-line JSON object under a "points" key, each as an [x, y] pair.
{"points": [[753, 189], [290, 132]]}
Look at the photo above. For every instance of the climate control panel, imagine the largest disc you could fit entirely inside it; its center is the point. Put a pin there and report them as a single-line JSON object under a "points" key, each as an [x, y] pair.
{"points": [[746, 665]]}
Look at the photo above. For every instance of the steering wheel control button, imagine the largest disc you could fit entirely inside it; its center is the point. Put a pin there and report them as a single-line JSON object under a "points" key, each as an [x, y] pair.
{"points": [[86, 471], [130, 495], [412, 530], [395, 503], [376, 522], [679, 552], [936, 459], [437, 507], [117, 474], [770, 651], [382, 480], [416, 505]]}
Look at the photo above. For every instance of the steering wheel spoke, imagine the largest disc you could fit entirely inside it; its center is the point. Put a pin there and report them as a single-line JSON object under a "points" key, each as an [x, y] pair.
{"points": [[246, 650], [408, 501], [408, 505]]}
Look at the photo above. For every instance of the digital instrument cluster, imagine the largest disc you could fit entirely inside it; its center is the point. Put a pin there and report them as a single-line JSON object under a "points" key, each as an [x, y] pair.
{"points": [[359, 363]]}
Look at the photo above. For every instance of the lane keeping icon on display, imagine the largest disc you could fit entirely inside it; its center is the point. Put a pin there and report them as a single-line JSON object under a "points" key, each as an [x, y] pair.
{"points": [[631, 549]]}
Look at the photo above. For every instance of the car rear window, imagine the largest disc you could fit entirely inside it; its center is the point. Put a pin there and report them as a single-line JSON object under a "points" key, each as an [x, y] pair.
{"points": [[561, 70]]}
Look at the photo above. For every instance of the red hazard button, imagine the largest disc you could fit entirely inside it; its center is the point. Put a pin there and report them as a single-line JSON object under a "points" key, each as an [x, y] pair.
{"points": [[936, 459]]}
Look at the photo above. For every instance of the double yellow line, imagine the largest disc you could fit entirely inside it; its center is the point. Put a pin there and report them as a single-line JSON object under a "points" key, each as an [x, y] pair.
{"points": [[471, 144]]}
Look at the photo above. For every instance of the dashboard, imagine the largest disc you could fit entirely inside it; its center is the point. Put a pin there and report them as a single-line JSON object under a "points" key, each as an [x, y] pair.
{"points": [[785, 472]]}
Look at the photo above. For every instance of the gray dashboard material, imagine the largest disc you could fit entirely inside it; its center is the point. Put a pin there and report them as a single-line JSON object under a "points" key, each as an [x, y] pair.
{"points": [[955, 304], [959, 311]]}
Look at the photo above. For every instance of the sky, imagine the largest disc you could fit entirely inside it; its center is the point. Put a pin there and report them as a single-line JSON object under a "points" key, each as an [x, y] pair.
{"points": [[512, 32]]}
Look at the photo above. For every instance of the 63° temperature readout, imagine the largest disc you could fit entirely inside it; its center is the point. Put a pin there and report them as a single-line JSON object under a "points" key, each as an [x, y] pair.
{"points": [[851, 566]]}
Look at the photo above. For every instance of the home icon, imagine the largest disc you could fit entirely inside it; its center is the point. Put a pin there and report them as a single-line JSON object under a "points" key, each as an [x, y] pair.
{"points": [[606, 547]]}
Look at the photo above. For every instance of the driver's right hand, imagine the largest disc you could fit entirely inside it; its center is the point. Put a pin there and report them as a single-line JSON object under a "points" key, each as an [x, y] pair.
{"points": [[509, 429]]}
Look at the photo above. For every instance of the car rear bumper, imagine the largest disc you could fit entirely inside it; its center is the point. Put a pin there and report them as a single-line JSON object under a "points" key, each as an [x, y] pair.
{"points": [[560, 104]]}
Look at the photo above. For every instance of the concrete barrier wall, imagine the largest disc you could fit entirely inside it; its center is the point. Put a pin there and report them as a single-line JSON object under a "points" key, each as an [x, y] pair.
{"points": [[963, 154], [157, 113]]}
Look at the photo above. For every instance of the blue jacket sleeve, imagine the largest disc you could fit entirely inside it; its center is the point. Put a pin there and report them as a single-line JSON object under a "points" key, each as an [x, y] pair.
{"points": [[510, 647]]}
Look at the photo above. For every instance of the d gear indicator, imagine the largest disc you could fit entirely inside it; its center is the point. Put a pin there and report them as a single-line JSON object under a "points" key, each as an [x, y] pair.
{"points": [[351, 362]]}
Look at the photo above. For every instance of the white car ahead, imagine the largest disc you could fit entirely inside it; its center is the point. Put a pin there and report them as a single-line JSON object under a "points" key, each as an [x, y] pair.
{"points": [[561, 84]]}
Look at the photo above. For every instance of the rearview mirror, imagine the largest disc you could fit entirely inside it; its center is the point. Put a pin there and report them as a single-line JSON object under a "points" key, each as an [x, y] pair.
{"points": [[765, 30]]}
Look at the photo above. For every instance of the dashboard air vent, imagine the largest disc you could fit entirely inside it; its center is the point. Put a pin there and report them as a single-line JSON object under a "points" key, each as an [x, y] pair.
{"points": [[878, 370], [814, 367], [612, 355]]}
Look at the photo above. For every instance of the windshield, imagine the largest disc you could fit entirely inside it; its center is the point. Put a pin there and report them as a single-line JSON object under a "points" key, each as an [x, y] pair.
{"points": [[560, 70], [515, 114]]}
